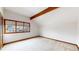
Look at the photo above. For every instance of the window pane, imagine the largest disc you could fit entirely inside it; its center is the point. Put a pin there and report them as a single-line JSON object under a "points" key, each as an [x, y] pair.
{"points": [[26, 27], [10, 26], [19, 27]]}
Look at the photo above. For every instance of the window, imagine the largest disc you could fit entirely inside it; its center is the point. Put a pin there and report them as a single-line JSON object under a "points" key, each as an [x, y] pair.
{"points": [[11, 26], [26, 27], [19, 27]]}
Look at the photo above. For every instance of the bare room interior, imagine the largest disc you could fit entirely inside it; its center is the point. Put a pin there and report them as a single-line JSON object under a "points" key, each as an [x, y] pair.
{"points": [[39, 28]]}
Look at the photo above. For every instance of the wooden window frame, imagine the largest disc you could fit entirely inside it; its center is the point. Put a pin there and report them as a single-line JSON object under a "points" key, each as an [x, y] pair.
{"points": [[1, 41], [29, 26], [18, 25], [5, 32]]}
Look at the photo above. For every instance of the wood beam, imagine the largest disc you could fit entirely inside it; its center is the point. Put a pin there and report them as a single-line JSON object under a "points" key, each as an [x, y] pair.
{"points": [[43, 12]]}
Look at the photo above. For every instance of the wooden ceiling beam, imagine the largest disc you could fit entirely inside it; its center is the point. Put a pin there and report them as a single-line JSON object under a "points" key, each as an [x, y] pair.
{"points": [[43, 12]]}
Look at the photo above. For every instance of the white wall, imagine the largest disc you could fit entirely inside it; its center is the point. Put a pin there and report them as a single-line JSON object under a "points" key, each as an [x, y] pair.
{"points": [[18, 36], [60, 24], [1, 10], [14, 16], [78, 32]]}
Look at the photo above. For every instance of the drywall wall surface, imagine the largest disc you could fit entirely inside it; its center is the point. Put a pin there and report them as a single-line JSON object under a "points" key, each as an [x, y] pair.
{"points": [[78, 32], [17, 36], [15, 16], [60, 24], [1, 11]]}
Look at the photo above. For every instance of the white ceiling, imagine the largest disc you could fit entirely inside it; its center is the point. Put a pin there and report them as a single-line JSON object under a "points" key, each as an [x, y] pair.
{"points": [[26, 11]]}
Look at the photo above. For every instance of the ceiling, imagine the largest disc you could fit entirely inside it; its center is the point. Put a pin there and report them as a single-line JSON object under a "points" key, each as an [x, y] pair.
{"points": [[26, 11]]}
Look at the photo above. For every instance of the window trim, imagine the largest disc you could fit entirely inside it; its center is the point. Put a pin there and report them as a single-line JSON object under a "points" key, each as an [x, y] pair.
{"points": [[15, 26]]}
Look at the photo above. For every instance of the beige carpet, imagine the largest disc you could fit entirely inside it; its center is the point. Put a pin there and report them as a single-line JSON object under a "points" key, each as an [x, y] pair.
{"points": [[40, 44]]}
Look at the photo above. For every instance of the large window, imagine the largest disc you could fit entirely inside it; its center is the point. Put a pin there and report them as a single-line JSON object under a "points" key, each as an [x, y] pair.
{"points": [[11, 26]]}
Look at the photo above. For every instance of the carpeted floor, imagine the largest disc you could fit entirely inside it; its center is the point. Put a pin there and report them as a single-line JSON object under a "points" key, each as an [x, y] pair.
{"points": [[40, 44]]}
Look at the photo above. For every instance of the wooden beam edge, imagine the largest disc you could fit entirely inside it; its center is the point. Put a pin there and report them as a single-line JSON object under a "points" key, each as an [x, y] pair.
{"points": [[43, 12]]}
